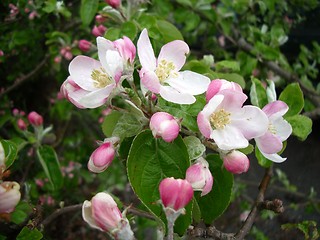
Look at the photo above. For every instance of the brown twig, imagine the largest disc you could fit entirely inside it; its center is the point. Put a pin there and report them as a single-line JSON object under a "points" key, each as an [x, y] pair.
{"points": [[275, 205], [24, 77], [260, 198]]}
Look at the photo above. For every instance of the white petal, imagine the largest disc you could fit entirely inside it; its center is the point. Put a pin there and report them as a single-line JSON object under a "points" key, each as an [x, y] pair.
{"points": [[87, 215], [229, 138], [175, 52], [80, 69], [283, 128], [189, 82], [274, 157], [114, 63], [251, 121], [212, 105], [172, 95], [145, 51], [103, 46]]}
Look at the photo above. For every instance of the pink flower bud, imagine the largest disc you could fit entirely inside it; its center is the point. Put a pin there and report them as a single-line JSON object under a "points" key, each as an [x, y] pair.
{"points": [[35, 119], [98, 30], [103, 213], [9, 196], [101, 158], [68, 55], [100, 19], [15, 112], [218, 85], [236, 162], [200, 177], [1, 53], [164, 125], [84, 45], [126, 49], [21, 124], [114, 3], [175, 193]]}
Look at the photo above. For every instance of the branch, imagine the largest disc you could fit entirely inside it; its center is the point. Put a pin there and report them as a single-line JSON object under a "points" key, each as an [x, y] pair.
{"points": [[259, 200], [59, 212], [313, 95], [24, 77], [210, 232]]}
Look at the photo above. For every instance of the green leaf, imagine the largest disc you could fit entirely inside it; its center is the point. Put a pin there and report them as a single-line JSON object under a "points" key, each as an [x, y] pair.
{"points": [[262, 160], [129, 29], [2, 237], [227, 66], [258, 94], [267, 52], [247, 150], [112, 34], [215, 203], [150, 160], [20, 213], [301, 126], [110, 122], [168, 31], [188, 113], [88, 10], [10, 152], [293, 97], [51, 166], [27, 234], [127, 126], [194, 146]]}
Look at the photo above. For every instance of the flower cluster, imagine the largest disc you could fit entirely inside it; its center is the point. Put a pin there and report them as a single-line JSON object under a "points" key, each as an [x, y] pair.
{"points": [[224, 120]]}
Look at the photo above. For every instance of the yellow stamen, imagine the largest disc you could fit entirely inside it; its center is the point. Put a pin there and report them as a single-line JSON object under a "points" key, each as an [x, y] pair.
{"points": [[220, 119], [165, 69], [272, 129], [100, 78]]}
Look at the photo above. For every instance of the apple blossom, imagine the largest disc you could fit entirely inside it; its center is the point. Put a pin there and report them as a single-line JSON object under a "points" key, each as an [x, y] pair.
{"points": [[161, 75], [91, 82], [35, 119], [236, 162], [278, 131], [218, 85], [164, 125], [200, 177], [9, 196], [175, 193], [103, 213], [101, 158], [229, 124]]}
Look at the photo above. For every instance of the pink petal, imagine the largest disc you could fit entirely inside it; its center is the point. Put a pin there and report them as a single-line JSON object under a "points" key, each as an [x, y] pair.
{"points": [[204, 125], [229, 138], [218, 85], [209, 183], [251, 121], [269, 143], [189, 82], [80, 69], [172, 95], [275, 109], [175, 52], [87, 215], [150, 80], [233, 100], [145, 51]]}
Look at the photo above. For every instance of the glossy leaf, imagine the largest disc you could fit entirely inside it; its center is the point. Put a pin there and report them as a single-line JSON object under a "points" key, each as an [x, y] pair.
{"points": [[168, 31], [110, 122], [10, 152], [51, 166], [194, 146], [127, 126], [88, 10], [293, 97], [150, 160], [20, 213], [258, 94], [227, 66], [301, 126], [216, 202], [27, 234]]}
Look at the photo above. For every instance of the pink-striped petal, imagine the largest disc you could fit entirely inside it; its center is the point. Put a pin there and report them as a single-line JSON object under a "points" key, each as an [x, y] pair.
{"points": [[269, 143], [275, 109], [204, 125], [150, 80]]}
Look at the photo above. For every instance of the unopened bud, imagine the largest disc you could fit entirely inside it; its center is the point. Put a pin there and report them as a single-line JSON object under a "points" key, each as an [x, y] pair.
{"points": [[114, 3], [84, 45], [9, 196], [164, 125], [98, 30], [236, 162], [35, 119], [101, 158], [21, 124]]}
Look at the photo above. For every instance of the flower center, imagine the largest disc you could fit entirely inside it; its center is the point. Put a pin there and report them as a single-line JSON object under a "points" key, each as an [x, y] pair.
{"points": [[272, 129], [165, 69], [100, 78], [220, 119]]}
